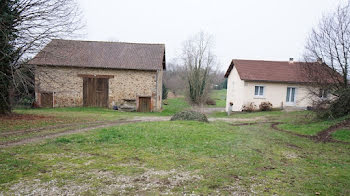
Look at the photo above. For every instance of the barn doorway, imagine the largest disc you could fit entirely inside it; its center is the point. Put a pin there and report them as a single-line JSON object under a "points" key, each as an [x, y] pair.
{"points": [[144, 104], [47, 100], [95, 92]]}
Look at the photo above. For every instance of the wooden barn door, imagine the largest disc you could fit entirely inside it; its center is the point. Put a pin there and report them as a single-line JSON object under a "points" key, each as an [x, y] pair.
{"points": [[95, 92], [144, 104], [47, 100]]}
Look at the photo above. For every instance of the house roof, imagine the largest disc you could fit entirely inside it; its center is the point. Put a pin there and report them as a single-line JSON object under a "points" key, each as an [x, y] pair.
{"points": [[97, 54], [269, 71]]}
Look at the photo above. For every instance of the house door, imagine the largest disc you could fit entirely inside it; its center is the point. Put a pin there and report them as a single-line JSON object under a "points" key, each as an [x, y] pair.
{"points": [[47, 100], [144, 104], [290, 99], [95, 92]]}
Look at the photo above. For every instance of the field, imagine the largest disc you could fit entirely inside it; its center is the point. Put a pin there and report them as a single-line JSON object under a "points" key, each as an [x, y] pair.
{"points": [[220, 97], [247, 153]]}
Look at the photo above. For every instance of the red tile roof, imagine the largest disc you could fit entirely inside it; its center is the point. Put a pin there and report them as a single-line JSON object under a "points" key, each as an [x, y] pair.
{"points": [[96, 54], [269, 71]]}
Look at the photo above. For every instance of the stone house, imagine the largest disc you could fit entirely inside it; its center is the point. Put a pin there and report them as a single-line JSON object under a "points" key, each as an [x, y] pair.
{"points": [[282, 83], [99, 74]]}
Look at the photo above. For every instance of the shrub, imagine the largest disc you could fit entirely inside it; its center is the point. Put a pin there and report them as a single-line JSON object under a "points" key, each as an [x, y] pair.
{"points": [[165, 102], [338, 107], [341, 106], [322, 109], [249, 107], [210, 101], [190, 115], [265, 106]]}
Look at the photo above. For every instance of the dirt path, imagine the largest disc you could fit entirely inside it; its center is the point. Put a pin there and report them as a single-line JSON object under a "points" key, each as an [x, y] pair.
{"points": [[233, 120], [94, 125], [323, 136], [74, 128], [60, 126]]}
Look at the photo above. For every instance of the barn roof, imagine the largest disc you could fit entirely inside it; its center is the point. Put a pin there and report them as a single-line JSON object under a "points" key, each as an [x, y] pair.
{"points": [[97, 54], [269, 71]]}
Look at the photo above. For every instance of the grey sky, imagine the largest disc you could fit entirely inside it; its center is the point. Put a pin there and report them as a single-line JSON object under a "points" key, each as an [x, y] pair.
{"points": [[247, 29]]}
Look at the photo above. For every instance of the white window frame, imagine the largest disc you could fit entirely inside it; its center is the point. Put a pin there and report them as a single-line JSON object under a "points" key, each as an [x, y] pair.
{"points": [[259, 87], [295, 96], [324, 94]]}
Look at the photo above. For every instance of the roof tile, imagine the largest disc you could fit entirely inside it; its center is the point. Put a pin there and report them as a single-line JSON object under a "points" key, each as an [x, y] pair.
{"points": [[96, 54]]}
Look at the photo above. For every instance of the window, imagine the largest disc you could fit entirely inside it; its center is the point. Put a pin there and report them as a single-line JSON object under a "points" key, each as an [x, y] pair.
{"points": [[259, 91], [323, 94], [290, 95]]}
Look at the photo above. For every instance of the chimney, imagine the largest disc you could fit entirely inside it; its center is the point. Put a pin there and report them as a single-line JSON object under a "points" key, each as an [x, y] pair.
{"points": [[291, 60], [319, 60]]}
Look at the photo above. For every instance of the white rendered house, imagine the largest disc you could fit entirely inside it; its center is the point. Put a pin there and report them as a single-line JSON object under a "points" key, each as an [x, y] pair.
{"points": [[254, 81]]}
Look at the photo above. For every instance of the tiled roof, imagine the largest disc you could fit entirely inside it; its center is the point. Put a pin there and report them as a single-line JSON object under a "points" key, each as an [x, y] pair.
{"points": [[96, 54], [269, 71]]}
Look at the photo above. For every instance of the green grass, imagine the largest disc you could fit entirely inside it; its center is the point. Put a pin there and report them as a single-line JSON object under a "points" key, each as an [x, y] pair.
{"points": [[247, 114], [307, 124], [174, 105], [219, 96], [342, 135], [65, 115], [28, 120], [216, 158]]}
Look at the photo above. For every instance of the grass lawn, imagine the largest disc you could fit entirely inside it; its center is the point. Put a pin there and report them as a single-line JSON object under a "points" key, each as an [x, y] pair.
{"points": [[220, 97], [174, 157], [177, 158], [33, 118], [342, 135], [308, 125], [55, 120], [174, 105]]}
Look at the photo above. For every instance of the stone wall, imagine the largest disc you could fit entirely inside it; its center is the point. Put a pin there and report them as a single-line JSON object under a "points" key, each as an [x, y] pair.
{"points": [[67, 86]]}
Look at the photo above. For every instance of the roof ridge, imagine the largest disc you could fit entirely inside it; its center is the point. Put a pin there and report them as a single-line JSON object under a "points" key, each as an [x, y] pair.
{"points": [[99, 41], [266, 61]]}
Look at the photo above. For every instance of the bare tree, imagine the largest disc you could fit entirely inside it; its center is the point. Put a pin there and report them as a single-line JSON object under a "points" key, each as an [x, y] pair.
{"points": [[329, 45], [28, 25], [217, 78], [174, 77], [198, 61], [327, 55]]}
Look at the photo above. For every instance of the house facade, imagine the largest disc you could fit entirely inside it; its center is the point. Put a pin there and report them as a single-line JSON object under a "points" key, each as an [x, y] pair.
{"points": [[99, 74], [281, 83]]}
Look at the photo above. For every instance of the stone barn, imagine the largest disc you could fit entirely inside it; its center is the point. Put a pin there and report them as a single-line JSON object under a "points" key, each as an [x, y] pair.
{"points": [[99, 74]]}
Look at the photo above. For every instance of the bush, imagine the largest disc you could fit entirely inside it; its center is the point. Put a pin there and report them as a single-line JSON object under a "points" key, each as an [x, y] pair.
{"points": [[341, 106], [190, 115], [249, 107], [265, 106], [165, 102], [322, 109], [210, 101], [336, 108]]}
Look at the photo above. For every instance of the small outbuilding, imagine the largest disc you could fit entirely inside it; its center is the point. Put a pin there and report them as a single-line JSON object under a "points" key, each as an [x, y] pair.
{"points": [[99, 74]]}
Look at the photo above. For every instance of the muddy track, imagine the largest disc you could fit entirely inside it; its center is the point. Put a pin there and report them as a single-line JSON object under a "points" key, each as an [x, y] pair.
{"points": [[252, 123], [48, 128], [323, 136], [66, 132]]}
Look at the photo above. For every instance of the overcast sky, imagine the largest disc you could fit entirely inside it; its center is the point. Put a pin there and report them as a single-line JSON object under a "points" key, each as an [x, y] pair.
{"points": [[245, 29]]}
